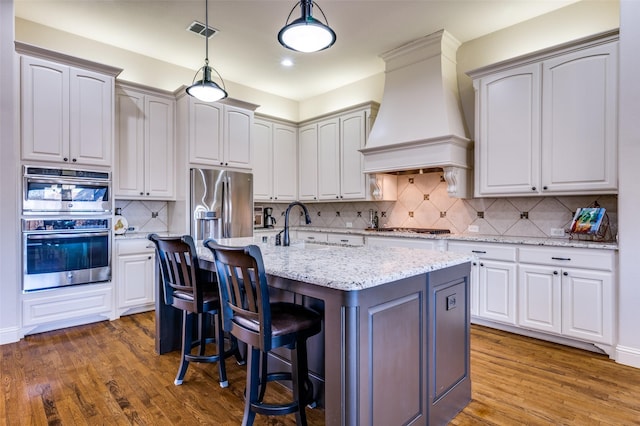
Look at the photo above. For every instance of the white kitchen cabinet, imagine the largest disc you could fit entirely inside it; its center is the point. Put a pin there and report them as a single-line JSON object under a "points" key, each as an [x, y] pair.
{"points": [[345, 239], [580, 121], [567, 291], [218, 134], [308, 163], [275, 167], [421, 243], [546, 123], [330, 163], [135, 269], [329, 159], [67, 112], [493, 280], [330, 237], [145, 146]]}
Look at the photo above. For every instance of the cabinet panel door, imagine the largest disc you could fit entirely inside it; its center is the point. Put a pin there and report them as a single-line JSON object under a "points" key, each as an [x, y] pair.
{"points": [[540, 297], [507, 152], [129, 164], [285, 171], [498, 291], [352, 138], [329, 159], [205, 140], [160, 147], [262, 146], [135, 280], [45, 110], [91, 118], [308, 162], [237, 137], [587, 305], [579, 124]]}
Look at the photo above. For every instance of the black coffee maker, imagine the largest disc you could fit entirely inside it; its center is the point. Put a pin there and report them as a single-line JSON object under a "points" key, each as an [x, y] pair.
{"points": [[269, 220]]}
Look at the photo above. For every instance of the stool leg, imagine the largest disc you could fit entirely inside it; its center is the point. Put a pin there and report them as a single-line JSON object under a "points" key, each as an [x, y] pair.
{"points": [[264, 372], [202, 333], [222, 370], [253, 378], [298, 376], [187, 326]]}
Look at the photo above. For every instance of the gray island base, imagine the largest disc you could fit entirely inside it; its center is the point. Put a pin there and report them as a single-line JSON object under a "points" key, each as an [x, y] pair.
{"points": [[394, 349]]}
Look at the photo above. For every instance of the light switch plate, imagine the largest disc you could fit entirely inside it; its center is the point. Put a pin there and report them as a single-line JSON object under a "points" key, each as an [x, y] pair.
{"points": [[557, 232], [473, 228]]}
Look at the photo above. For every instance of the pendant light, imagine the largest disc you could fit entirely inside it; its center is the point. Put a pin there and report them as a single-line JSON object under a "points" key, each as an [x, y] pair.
{"points": [[306, 34], [206, 89]]}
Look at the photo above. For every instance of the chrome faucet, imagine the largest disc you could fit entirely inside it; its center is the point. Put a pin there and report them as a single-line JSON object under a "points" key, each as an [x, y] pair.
{"points": [[286, 241]]}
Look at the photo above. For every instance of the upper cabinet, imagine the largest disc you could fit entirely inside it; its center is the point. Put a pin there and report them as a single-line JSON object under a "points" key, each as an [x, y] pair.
{"points": [[275, 160], [546, 123], [218, 134], [67, 110], [145, 145], [330, 161]]}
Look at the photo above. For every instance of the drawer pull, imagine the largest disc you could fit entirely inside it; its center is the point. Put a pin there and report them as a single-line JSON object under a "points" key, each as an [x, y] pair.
{"points": [[479, 251], [311, 238], [344, 241], [560, 258]]}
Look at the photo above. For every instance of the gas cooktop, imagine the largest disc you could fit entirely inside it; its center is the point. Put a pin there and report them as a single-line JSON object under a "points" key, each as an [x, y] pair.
{"points": [[411, 230]]}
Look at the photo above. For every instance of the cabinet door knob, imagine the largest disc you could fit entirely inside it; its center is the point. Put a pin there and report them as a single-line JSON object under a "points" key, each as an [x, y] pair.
{"points": [[544, 188], [74, 160], [149, 257], [555, 272], [65, 159], [481, 264], [533, 188], [474, 263], [565, 274], [142, 193]]}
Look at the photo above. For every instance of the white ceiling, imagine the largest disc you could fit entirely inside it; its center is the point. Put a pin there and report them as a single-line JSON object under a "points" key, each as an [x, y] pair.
{"points": [[246, 50]]}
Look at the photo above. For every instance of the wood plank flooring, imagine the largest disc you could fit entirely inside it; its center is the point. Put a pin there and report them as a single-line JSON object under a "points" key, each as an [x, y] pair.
{"points": [[108, 374]]}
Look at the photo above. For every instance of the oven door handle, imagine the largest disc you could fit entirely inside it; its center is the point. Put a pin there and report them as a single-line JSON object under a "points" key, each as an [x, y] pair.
{"points": [[36, 236]]}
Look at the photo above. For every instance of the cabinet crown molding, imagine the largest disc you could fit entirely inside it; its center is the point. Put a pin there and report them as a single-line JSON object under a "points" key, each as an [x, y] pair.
{"points": [[40, 52]]}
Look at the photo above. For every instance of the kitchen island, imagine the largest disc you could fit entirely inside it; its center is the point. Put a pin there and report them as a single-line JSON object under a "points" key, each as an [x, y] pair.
{"points": [[394, 348]]}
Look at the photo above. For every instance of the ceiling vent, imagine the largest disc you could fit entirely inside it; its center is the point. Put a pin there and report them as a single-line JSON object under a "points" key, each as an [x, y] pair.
{"points": [[201, 29]]}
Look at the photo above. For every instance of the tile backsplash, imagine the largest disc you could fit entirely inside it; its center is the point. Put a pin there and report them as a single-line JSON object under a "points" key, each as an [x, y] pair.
{"points": [[144, 216], [423, 202]]}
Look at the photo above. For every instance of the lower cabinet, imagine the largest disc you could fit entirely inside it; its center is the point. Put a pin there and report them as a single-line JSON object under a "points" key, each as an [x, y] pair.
{"points": [[568, 292], [493, 280], [135, 268]]}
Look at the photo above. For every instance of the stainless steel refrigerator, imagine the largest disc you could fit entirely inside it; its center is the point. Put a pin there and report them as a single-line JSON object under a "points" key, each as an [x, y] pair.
{"points": [[221, 204]]}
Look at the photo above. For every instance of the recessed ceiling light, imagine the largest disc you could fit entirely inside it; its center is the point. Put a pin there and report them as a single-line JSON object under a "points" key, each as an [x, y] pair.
{"points": [[286, 62]]}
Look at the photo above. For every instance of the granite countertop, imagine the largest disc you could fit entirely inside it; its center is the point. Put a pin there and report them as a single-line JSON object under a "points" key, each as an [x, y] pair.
{"points": [[537, 241], [344, 268]]}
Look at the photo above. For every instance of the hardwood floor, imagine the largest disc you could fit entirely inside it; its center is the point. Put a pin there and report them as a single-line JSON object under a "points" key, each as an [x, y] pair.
{"points": [[108, 373]]}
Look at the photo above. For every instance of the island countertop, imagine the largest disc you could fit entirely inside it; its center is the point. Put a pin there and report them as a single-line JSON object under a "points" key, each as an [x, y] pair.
{"points": [[343, 268]]}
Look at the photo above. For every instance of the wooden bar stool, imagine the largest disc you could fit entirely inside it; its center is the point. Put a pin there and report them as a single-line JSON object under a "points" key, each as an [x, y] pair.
{"points": [[248, 315], [187, 288]]}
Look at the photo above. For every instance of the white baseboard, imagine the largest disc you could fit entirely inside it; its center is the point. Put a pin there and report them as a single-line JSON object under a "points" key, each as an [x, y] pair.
{"points": [[10, 335], [628, 356]]}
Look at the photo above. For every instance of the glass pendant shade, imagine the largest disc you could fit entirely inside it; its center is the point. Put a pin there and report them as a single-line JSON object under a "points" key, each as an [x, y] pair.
{"points": [[206, 89], [306, 34]]}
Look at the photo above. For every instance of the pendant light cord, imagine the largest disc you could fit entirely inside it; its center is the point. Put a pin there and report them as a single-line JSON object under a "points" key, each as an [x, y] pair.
{"points": [[206, 33]]}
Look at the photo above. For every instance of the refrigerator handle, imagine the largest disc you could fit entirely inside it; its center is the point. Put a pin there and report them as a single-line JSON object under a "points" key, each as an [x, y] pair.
{"points": [[227, 210]]}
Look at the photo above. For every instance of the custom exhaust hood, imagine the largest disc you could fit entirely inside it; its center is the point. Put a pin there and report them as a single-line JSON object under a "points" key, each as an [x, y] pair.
{"points": [[419, 125]]}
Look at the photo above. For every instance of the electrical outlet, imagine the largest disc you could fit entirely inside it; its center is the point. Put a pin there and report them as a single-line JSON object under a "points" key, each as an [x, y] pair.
{"points": [[451, 302], [557, 232], [473, 228], [349, 224]]}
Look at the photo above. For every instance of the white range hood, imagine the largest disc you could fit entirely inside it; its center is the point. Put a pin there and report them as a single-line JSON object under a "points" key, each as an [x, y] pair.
{"points": [[419, 125]]}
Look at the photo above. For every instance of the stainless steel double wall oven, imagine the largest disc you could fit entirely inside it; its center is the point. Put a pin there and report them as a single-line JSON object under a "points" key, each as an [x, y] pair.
{"points": [[66, 227]]}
